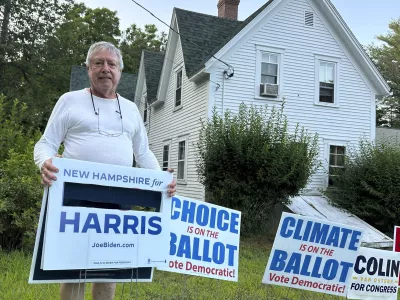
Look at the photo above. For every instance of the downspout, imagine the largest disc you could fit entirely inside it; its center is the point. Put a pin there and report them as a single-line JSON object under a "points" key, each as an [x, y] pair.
{"points": [[223, 93]]}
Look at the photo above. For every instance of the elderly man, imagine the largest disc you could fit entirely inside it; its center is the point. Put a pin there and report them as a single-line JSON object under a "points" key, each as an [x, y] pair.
{"points": [[96, 124]]}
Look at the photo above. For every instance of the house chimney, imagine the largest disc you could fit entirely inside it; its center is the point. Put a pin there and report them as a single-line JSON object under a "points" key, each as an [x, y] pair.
{"points": [[228, 9]]}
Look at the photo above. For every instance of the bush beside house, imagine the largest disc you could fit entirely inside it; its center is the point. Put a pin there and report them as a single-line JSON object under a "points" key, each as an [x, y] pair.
{"points": [[369, 187], [248, 161]]}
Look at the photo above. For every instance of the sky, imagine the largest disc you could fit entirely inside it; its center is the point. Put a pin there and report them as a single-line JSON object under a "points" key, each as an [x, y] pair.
{"points": [[366, 18]]}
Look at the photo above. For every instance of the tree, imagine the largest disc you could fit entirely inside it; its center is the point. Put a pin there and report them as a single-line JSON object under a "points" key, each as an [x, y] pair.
{"points": [[249, 162], [25, 26], [20, 190], [387, 59], [135, 40]]}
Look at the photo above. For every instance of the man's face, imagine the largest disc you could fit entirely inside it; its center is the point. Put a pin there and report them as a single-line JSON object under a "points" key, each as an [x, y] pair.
{"points": [[104, 71]]}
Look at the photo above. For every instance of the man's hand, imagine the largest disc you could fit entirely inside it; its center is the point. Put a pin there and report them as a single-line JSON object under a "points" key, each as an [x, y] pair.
{"points": [[46, 172], [172, 185]]}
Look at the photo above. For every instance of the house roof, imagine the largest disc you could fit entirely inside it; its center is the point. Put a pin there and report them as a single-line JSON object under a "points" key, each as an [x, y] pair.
{"points": [[126, 88], [204, 30], [211, 33], [153, 63]]}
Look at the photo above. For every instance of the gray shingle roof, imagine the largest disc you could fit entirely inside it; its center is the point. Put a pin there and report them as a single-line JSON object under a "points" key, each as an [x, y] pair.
{"points": [[153, 63], [126, 88], [211, 33], [204, 30]]}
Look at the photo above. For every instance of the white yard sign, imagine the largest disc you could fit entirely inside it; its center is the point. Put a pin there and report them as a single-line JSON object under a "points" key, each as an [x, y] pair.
{"points": [[91, 238], [375, 275], [313, 254], [204, 239]]}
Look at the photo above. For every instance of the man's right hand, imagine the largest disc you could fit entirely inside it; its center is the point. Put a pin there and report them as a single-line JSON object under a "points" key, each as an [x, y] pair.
{"points": [[47, 172]]}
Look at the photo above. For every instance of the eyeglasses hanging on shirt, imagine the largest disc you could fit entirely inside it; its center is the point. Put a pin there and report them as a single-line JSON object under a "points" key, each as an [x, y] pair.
{"points": [[102, 132]]}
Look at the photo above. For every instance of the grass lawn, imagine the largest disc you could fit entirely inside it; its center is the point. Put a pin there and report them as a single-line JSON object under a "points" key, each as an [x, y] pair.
{"points": [[14, 272]]}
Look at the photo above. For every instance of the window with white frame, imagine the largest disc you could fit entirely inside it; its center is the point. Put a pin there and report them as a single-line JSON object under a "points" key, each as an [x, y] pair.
{"points": [[327, 81], [269, 77], [182, 159], [336, 162], [165, 157], [178, 88], [145, 111]]}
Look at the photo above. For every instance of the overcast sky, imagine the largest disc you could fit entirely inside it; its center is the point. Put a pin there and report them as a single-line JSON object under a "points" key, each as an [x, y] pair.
{"points": [[366, 18]]}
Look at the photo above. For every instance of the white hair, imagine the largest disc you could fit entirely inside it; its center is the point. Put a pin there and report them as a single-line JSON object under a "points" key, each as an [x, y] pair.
{"points": [[99, 46]]}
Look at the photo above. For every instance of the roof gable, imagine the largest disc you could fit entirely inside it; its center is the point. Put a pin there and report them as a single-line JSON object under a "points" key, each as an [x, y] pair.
{"points": [[126, 88], [336, 26], [153, 63], [209, 32]]}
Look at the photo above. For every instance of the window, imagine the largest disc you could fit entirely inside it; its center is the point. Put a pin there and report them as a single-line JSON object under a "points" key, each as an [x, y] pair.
{"points": [[145, 111], [165, 159], [327, 82], [178, 91], [336, 162], [269, 68], [268, 80], [269, 75], [182, 159]]}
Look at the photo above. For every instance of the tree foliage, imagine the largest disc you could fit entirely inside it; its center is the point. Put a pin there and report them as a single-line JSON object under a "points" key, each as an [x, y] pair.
{"points": [[370, 185], [249, 161], [25, 28], [20, 190], [387, 59], [135, 40], [41, 40]]}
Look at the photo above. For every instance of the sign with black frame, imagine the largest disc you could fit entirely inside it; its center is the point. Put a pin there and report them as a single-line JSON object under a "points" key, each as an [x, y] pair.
{"points": [[137, 197]]}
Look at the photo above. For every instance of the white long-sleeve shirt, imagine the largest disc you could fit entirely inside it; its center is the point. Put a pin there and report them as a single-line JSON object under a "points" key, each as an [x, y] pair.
{"points": [[74, 123]]}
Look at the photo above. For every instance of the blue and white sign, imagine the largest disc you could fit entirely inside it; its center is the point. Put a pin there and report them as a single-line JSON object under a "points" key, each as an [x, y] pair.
{"points": [[204, 239], [79, 237], [313, 254], [375, 275]]}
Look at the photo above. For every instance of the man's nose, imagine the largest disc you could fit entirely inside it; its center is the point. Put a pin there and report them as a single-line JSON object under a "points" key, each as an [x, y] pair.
{"points": [[106, 67]]}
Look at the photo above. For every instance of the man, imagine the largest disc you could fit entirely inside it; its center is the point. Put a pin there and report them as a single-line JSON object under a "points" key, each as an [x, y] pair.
{"points": [[96, 124]]}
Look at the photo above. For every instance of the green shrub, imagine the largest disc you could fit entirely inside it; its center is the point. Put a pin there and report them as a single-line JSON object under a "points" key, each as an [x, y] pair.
{"points": [[369, 187], [20, 189], [248, 161]]}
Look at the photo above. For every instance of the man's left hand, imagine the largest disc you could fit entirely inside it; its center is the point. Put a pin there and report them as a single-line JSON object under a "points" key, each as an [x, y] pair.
{"points": [[172, 185]]}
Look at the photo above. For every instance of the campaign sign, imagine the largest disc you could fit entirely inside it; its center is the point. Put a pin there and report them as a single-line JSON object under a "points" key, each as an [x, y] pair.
{"points": [[204, 239], [139, 198], [313, 254], [79, 237], [375, 275], [396, 239]]}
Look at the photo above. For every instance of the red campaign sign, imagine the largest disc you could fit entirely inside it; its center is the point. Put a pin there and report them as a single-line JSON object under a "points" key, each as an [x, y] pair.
{"points": [[396, 242]]}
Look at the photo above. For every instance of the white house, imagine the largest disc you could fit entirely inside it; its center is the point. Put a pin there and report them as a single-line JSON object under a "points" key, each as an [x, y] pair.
{"points": [[298, 50]]}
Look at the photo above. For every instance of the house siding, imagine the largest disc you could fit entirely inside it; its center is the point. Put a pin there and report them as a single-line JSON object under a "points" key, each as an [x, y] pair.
{"points": [[346, 123], [169, 124]]}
